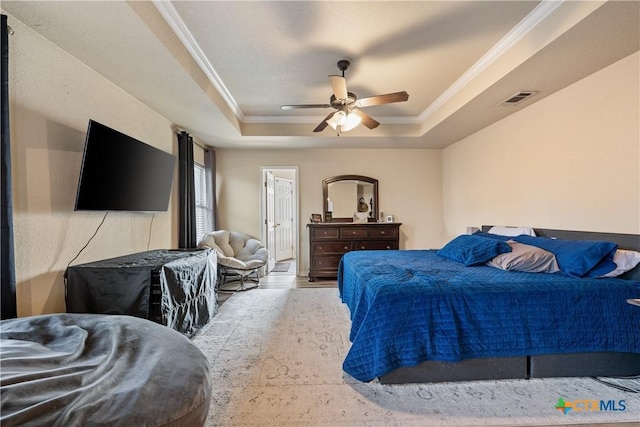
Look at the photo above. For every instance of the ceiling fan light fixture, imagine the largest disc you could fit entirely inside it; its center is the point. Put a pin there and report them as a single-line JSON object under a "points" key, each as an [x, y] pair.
{"points": [[346, 121], [353, 120], [338, 119]]}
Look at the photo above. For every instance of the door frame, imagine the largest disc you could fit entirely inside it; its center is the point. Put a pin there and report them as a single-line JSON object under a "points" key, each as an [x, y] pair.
{"points": [[296, 207]]}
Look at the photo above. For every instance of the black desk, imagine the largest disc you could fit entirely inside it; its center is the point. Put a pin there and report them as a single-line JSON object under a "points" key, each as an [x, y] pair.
{"points": [[171, 287]]}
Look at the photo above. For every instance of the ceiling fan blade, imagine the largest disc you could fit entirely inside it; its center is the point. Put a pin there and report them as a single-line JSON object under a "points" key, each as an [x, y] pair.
{"points": [[294, 107], [387, 98], [339, 85], [323, 124], [367, 120]]}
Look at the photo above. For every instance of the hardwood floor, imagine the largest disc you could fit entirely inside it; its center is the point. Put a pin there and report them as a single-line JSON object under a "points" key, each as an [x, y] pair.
{"points": [[276, 280], [279, 281]]}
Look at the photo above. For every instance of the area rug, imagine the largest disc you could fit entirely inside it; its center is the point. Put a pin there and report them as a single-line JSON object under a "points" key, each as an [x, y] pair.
{"points": [[281, 267], [276, 357]]}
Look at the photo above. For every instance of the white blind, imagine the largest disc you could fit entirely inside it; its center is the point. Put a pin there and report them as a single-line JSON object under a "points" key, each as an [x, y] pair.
{"points": [[201, 200]]}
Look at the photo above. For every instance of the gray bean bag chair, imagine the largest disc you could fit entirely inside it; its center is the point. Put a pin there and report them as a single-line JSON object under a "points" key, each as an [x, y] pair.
{"points": [[99, 370]]}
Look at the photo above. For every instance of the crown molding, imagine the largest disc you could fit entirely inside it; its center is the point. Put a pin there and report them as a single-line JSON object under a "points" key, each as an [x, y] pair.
{"points": [[170, 14], [535, 17], [314, 119], [528, 23]]}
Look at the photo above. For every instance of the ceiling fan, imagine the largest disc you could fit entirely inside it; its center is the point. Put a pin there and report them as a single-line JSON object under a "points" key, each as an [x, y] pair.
{"points": [[348, 114]]}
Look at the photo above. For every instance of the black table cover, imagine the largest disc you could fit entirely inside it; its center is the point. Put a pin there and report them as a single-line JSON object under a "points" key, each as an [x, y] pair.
{"points": [[185, 281]]}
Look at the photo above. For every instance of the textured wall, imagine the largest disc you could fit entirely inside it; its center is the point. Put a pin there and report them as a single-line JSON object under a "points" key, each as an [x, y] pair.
{"points": [[410, 188], [52, 98], [569, 161]]}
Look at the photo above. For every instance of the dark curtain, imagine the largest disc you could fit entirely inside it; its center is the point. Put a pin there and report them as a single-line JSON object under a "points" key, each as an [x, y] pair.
{"points": [[8, 290], [187, 220], [210, 177]]}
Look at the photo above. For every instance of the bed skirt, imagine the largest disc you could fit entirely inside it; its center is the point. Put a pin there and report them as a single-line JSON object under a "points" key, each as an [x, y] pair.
{"points": [[541, 366]]}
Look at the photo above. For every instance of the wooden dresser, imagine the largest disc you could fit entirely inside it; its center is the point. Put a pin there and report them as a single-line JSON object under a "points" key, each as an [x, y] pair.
{"points": [[329, 241]]}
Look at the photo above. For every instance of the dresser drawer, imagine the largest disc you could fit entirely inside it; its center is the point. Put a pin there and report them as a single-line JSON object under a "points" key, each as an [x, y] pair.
{"points": [[376, 245], [325, 233], [326, 262], [383, 233], [332, 247], [355, 233]]}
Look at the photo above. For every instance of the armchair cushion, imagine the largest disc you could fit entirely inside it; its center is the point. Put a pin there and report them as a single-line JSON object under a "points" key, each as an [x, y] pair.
{"points": [[236, 250], [218, 240]]}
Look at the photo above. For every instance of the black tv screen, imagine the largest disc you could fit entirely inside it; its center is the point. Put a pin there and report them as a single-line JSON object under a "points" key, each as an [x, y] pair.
{"points": [[120, 173]]}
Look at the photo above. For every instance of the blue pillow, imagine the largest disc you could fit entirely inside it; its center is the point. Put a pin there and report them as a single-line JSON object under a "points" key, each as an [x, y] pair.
{"points": [[603, 267], [577, 258], [473, 250]]}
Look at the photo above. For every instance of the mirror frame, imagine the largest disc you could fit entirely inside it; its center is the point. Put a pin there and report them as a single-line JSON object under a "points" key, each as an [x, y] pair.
{"points": [[325, 194]]}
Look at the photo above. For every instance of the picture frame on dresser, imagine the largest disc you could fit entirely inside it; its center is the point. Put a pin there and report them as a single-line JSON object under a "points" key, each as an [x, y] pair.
{"points": [[315, 218]]}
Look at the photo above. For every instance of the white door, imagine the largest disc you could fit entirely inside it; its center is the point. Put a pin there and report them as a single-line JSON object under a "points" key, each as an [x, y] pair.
{"points": [[270, 222], [284, 218]]}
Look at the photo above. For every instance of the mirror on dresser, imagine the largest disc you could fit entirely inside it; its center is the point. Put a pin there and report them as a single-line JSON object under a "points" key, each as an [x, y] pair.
{"points": [[346, 196]]}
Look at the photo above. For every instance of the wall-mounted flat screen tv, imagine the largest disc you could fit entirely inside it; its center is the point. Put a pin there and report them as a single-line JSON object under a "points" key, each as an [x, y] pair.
{"points": [[120, 173]]}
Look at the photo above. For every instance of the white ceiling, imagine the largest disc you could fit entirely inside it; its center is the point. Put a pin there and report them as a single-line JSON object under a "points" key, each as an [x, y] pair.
{"points": [[221, 69]]}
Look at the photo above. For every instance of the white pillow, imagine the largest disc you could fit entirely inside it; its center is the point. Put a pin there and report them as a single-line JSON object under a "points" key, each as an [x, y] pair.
{"points": [[625, 260], [512, 231]]}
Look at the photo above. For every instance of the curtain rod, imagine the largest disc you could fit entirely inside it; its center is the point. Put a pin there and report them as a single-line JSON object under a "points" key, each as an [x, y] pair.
{"points": [[178, 130], [204, 147]]}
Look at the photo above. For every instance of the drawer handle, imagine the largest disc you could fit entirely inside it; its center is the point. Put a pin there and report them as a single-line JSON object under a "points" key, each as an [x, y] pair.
{"points": [[319, 262], [325, 233], [319, 248], [346, 247], [388, 247], [353, 232], [361, 247], [382, 232]]}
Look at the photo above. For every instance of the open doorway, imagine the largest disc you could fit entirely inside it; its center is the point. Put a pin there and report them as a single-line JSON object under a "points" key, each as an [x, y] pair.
{"points": [[279, 217]]}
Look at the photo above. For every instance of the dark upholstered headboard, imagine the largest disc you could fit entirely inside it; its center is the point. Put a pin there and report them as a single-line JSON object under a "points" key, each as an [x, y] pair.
{"points": [[624, 241]]}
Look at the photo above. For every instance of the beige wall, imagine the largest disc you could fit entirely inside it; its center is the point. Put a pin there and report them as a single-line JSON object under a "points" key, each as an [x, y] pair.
{"points": [[52, 98], [570, 161], [410, 188]]}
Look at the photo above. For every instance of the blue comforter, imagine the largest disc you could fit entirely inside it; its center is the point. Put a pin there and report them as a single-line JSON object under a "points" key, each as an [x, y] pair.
{"points": [[409, 306]]}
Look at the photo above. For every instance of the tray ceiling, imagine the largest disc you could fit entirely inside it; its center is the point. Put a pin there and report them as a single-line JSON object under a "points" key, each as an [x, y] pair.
{"points": [[221, 69]]}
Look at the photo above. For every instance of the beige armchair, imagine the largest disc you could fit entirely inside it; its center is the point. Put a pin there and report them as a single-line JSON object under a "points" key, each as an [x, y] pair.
{"points": [[240, 256]]}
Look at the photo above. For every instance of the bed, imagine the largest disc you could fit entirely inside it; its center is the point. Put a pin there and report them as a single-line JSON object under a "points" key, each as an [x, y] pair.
{"points": [[418, 316]]}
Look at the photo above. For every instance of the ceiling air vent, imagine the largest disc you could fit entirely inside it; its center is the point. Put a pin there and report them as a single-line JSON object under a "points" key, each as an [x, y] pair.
{"points": [[517, 98]]}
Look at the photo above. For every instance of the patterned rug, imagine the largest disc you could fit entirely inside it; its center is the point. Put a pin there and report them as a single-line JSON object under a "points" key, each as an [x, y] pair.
{"points": [[276, 357]]}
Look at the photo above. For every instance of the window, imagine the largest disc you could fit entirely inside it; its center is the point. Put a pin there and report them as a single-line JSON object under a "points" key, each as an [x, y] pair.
{"points": [[201, 200]]}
